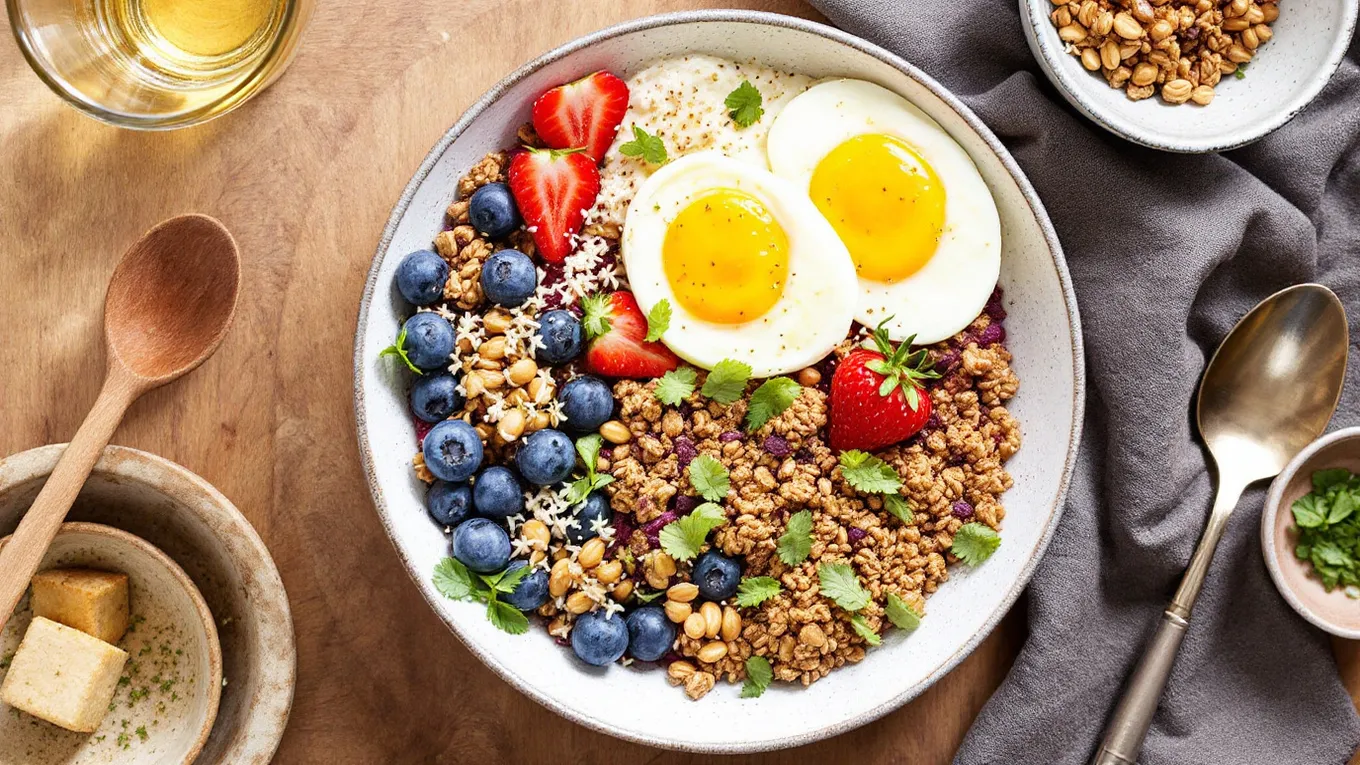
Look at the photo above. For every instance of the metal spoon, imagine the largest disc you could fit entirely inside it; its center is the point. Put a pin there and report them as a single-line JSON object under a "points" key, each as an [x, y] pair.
{"points": [[1268, 391], [167, 308]]}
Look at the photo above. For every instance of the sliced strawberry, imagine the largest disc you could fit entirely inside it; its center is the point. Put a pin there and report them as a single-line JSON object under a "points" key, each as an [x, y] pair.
{"points": [[553, 189], [878, 397], [582, 115], [616, 331]]}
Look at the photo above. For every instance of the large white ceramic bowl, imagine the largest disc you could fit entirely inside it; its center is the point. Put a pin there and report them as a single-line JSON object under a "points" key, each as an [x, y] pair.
{"points": [[1310, 39], [1044, 335]]}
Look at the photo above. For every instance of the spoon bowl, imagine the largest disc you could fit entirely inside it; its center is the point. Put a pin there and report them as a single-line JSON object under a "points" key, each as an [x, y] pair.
{"points": [[1269, 390]]}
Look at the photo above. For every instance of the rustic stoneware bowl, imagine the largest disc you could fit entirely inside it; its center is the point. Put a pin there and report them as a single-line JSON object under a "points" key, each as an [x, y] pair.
{"points": [[1310, 39], [636, 703], [173, 639], [1332, 611], [199, 529]]}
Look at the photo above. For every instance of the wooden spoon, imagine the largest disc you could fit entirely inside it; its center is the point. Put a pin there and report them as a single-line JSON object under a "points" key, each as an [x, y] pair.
{"points": [[167, 308]]}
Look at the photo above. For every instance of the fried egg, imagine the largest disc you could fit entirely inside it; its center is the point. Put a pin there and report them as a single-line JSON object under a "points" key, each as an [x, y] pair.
{"points": [[751, 270], [915, 215]]}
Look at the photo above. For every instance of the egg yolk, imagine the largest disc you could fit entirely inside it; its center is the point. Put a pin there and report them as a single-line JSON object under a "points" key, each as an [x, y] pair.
{"points": [[726, 257], [886, 203]]}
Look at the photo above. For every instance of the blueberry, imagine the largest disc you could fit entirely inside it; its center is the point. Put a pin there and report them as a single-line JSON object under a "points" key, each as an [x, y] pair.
{"points": [[509, 278], [546, 457], [492, 210], [598, 638], [717, 576], [532, 590], [435, 397], [588, 403], [595, 507], [481, 545], [650, 633], [452, 450], [429, 340], [449, 503], [497, 493], [560, 331], [421, 276]]}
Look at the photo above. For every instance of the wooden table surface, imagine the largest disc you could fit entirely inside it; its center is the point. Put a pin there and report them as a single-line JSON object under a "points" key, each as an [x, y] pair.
{"points": [[305, 177]]}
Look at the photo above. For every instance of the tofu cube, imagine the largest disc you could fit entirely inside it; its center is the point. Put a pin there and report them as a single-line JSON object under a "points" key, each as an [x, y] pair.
{"points": [[63, 676], [94, 602]]}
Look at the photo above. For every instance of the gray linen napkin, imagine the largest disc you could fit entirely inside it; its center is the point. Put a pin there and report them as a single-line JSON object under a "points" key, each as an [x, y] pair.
{"points": [[1166, 252]]}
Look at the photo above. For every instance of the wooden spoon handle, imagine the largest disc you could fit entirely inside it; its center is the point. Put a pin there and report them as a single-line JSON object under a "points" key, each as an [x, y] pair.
{"points": [[21, 555]]}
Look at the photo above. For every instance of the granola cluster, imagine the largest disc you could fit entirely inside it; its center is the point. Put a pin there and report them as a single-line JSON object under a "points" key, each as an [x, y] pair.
{"points": [[1182, 47]]}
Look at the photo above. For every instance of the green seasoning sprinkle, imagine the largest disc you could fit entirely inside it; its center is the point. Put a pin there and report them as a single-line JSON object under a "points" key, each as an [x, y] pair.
{"points": [[1329, 528]]}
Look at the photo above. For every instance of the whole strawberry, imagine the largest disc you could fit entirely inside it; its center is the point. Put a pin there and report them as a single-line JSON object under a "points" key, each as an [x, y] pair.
{"points": [[878, 396]]}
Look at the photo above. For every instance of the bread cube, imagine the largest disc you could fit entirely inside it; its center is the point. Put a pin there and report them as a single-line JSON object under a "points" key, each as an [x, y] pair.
{"points": [[94, 602], [63, 676]]}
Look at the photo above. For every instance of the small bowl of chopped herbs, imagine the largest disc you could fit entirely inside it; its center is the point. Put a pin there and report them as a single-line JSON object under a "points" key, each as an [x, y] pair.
{"points": [[1310, 533]]}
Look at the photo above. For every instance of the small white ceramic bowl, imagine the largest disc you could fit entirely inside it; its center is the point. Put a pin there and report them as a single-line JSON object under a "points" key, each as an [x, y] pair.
{"points": [[1044, 335], [174, 665], [1333, 611], [197, 527], [1310, 39]]}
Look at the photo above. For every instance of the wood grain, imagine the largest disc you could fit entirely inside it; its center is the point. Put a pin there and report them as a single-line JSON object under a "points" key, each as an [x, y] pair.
{"points": [[305, 177]]}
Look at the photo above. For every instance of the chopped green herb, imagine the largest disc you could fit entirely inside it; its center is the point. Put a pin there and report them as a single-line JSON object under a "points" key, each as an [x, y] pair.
{"points": [[648, 597], [658, 320], [770, 400], [397, 349], [744, 104], [840, 583], [727, 381], [588, 447], [506, 617], [676, 385], [1241, 72], [868, 473], [141, 732], [453, 580], [682, 538], [709, 478], [755, 590], [1328, 528], [650, 147], [899, 507], [595, 312], [862, 629], [975, 542], [903, 616], [795, 544], [758, 677]]}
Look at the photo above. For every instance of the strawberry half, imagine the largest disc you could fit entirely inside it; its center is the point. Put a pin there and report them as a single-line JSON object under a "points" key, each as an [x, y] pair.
{"points": [[877, 396], [583, 114], [616, 330], [553, 189]]}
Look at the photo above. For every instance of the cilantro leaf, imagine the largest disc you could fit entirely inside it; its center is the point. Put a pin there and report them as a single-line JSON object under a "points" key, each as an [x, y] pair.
{"points": [[903, 616], [770, 400], [755, 590], [682, 538], [868, 473], [840, 583], [398, 349], [650, 147], [1309, 513], [507, 580], [506, 617], [676, 385], [899, 506], [709, 478], [453, 580], [658, 320], [758, 677], [588, 447], [1341, 508], [1326, 479], [975, 542], [795, 544], [744, 104], [596, 313], [862, 629], [727, 381], [648, 597]]}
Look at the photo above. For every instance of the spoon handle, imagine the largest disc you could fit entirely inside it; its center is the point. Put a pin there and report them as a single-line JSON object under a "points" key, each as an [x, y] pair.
{"points": [[21, 555], [1128, 726]]}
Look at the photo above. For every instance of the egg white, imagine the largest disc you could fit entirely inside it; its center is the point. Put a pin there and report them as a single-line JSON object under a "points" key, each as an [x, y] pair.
{"points": [[951, 289], [817, 306]]}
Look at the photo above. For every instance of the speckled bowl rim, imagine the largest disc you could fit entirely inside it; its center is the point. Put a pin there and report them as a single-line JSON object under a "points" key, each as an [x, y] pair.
{"points": [[207, 628], [264, 587], [1271, 554], [820, 732], [1058, 66]]}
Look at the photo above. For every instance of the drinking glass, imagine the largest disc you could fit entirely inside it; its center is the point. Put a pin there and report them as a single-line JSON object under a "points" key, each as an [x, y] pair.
{"points": [[158, 64]]}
